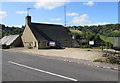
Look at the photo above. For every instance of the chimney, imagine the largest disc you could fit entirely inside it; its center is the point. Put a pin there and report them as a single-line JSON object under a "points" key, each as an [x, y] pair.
{"points": [[28, 20]]}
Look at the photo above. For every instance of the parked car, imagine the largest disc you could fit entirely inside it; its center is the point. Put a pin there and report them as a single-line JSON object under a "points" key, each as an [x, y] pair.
{"points": [[54, 45]]}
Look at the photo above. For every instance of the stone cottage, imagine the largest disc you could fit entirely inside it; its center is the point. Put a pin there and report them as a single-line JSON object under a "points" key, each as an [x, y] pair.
{"points": [[39, 35]]}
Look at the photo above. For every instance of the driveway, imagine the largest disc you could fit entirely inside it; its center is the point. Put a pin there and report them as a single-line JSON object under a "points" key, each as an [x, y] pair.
{"points": [[75, 53]]}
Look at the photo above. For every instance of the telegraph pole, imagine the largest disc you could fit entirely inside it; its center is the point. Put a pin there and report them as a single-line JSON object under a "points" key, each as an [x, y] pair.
{"points": [[65, 15]]}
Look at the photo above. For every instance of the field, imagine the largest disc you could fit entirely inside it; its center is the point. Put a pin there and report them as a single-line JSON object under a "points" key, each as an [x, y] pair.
{"points": [[108, 39]]}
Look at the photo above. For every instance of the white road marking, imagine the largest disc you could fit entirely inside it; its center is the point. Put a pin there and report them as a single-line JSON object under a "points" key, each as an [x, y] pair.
{"points": [[42, 71]]}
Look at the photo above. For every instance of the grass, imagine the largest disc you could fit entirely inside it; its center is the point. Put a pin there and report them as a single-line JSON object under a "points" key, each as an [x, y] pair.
{"points": [[98, 60], [108, 39], [92, 48], [29, 47], [76, 31]]}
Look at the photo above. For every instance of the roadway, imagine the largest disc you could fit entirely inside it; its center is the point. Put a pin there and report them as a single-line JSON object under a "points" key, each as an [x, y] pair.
{"points": [[18, 66]]}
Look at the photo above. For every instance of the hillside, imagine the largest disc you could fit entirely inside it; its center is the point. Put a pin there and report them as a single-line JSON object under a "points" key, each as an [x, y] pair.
{"points": [[109, 30], [6, 30], [108, 39], [102, 34]]}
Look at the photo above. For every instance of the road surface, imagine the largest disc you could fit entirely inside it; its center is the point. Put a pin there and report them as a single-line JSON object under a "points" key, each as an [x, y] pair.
{"points": [[28, 67]]}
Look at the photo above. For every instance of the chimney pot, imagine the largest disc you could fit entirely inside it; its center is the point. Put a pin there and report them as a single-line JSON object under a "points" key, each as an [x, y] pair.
{"points": [[28, 20]]}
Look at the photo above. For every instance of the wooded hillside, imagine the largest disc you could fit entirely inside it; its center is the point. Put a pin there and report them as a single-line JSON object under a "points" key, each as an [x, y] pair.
{"points": [[102, 34], [6, 30], [109, 30]]}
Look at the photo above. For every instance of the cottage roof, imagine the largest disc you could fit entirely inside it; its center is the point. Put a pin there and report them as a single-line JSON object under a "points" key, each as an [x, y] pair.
{"points": [[49, 32], [8, 40]]}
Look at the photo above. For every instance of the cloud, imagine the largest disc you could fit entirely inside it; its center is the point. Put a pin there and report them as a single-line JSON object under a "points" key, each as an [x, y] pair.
{"points": [[37, 0], [21, 12], [57, 23], [58, 19], [2, 14], [18, 0], [100, 23], [60, 0], [89, 3], [52, 23], [49, 4], [72, 14], [82, 19], [85, 20], [17, 26], [12, 25]]}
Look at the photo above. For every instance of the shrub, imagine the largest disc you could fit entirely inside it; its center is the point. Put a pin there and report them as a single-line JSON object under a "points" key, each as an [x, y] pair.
{"points": [[29, 46], [112, 60], [98, 60]]}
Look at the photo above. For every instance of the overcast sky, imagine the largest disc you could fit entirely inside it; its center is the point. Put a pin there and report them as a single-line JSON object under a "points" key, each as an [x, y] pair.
{"points": [[77, 13]]}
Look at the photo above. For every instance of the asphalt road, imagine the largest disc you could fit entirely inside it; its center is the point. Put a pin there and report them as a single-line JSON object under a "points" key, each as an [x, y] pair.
{"points": [[27, 67]]}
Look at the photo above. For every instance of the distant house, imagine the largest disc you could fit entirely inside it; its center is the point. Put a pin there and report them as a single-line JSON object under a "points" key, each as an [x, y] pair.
{"points": [[11, 41], [39, 35]]}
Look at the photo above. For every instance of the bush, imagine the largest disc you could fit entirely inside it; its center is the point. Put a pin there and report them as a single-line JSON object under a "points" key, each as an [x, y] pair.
{"points": [[86, 46], [98, 60], [29, 46], [112, 60]]}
